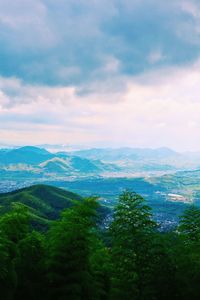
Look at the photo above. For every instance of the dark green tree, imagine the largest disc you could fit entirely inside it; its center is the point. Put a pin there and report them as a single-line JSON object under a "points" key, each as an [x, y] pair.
{"points": [[8, 278], [29, 265], [14, 226], [187, 255], [100, 265], [69, 248], [163, 268], [131, 234], [190, 224]]}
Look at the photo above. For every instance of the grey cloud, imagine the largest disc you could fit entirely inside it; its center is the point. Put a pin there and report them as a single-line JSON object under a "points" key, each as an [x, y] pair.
{"points": [[67, 42]]}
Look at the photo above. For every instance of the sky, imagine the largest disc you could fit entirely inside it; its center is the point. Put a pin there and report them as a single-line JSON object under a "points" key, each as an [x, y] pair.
{"points": [[100, 73]]}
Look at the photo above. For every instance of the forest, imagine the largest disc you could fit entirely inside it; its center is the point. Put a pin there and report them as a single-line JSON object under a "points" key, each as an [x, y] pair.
{"points": [[75, 258]]}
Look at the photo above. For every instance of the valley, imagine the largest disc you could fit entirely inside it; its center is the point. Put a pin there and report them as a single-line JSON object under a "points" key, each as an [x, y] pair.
{"points": [[166, 179]]}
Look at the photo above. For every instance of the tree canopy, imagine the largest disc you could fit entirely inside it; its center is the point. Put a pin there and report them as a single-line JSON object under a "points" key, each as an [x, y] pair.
{"points": [[76, 259]]}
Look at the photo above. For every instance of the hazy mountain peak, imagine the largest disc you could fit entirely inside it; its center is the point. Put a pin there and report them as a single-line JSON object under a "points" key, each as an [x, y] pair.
{"points": [[32, 149]]}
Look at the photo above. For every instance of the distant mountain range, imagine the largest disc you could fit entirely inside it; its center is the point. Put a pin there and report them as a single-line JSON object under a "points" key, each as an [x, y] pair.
{"points": [[144, 159], [34, 162], [166, 178], [110, 154]]}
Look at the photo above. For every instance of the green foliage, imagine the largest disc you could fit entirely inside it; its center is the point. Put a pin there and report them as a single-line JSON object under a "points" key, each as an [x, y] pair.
{"points": [[162, 276], [15, 224], [8, 278], [70, 241], [13, 227], [187, 255], [190, 224], [131, 233], [43, 202], [30, 267], [72, 260], [100, 264]]}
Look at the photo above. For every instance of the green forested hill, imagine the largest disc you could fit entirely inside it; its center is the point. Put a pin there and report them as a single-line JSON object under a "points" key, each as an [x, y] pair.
{"points": [[44, 202], [75, 259]]}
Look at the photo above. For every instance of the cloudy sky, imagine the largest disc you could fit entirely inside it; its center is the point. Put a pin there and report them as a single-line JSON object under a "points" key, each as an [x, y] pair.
{"points": [[100, 73]]}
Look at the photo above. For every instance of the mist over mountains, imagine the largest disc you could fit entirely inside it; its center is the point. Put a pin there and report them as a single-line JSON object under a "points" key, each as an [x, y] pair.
{"points": [[165, 178], [37, 160], [98, 161]]}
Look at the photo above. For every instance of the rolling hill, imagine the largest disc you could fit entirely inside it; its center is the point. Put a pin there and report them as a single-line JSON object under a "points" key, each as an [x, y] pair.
{"points": [[43, 201]]}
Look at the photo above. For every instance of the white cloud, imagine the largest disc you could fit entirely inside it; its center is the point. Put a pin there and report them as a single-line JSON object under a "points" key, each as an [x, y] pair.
{"points": [[156, 109]]}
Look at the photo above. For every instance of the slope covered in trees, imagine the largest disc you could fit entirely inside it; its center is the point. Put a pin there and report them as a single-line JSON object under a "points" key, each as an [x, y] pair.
{"points": [[74, 259], [44, 202]]}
